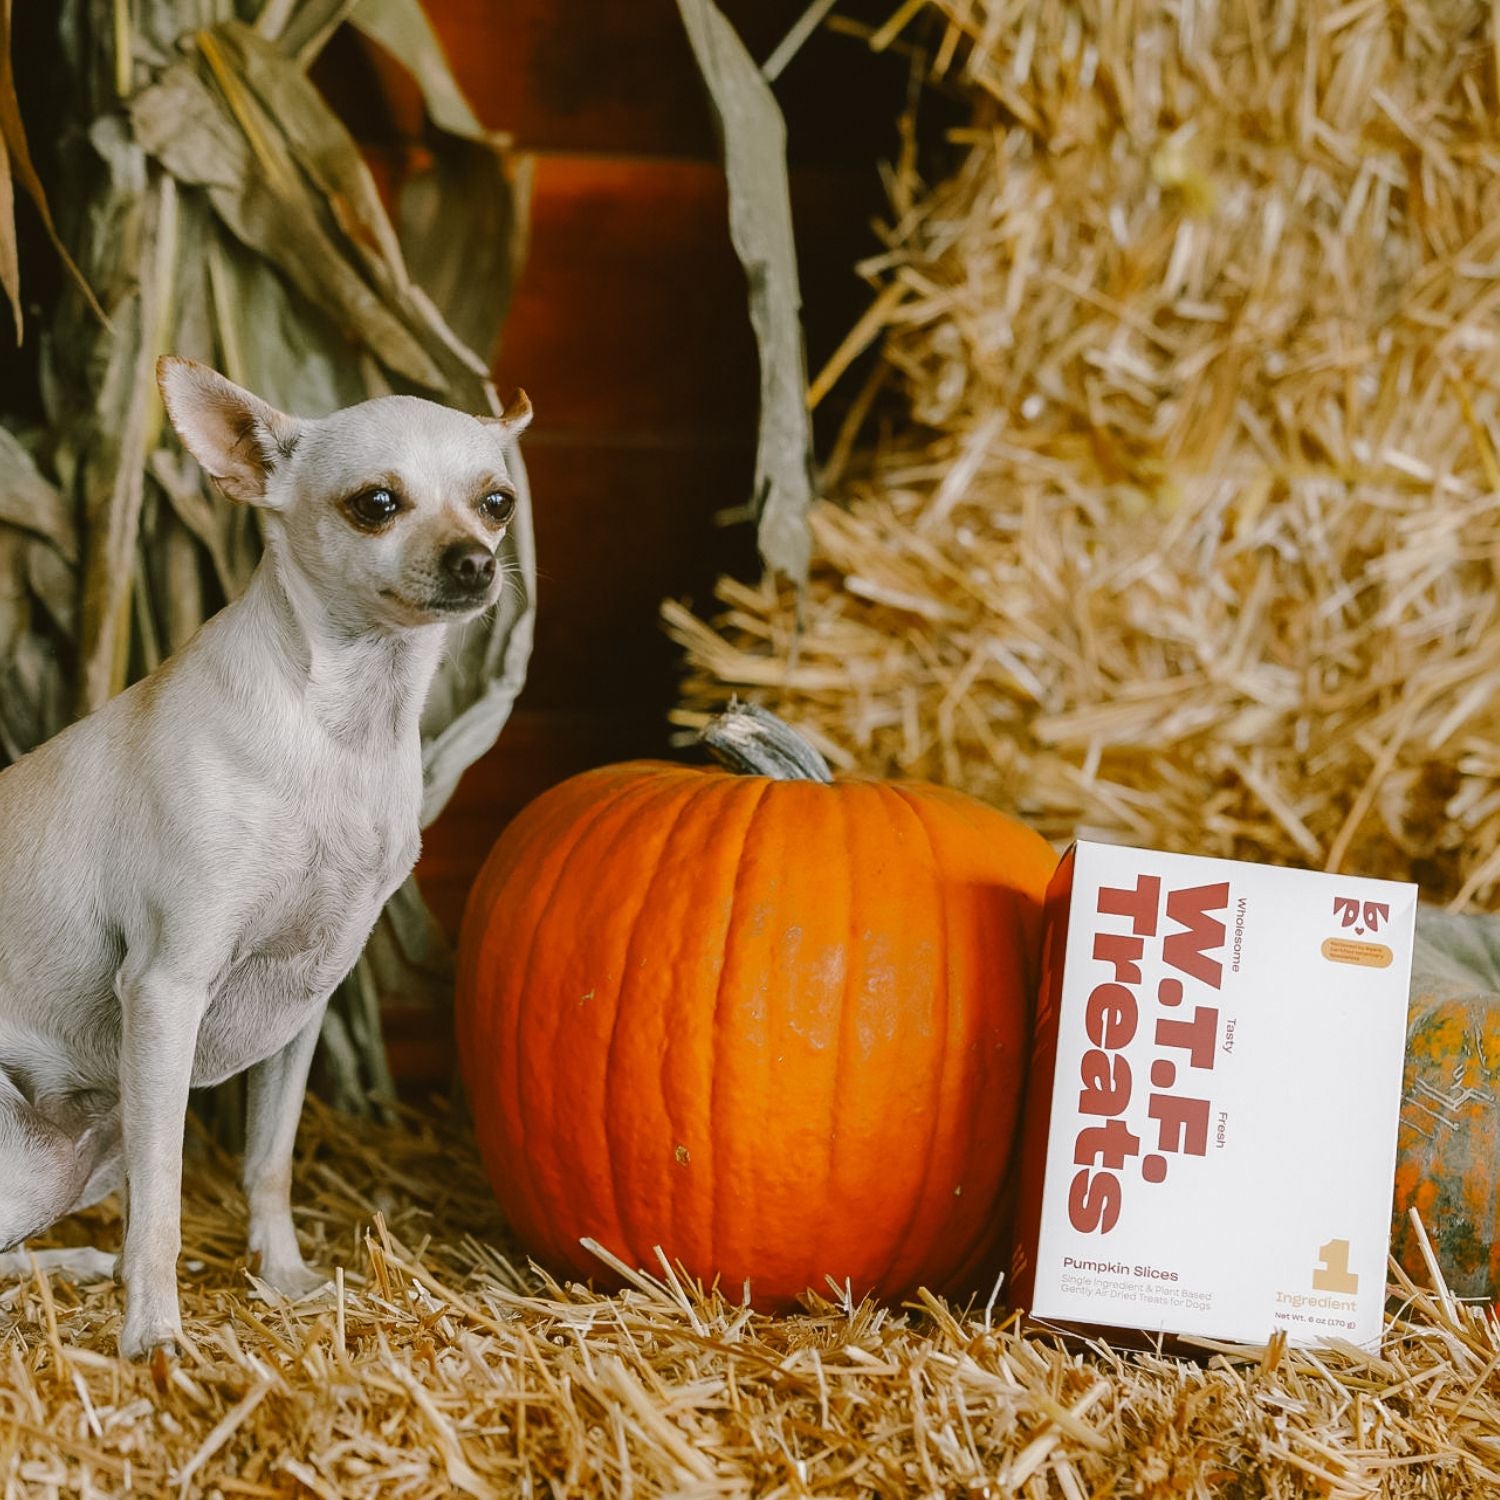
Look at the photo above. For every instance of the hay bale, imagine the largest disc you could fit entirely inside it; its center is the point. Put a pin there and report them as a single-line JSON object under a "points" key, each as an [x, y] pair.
{"points": [[441, 1366], [1188, 532]]}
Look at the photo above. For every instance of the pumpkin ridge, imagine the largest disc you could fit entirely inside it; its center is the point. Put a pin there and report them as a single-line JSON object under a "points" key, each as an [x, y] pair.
{"points": [[706, 787], [941, 971], [645, 888], [977, 1253], [840, 1058], [884, 939], [632, 809], [529, 1192], [730, 930], [591, 821], [667, 1094], [526, 986], [710, 789]]}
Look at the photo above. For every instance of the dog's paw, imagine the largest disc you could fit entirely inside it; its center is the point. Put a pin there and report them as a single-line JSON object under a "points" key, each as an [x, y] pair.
{"points": [[140, 1341], [89, 1265], [81, 1264], [295, 1279]]}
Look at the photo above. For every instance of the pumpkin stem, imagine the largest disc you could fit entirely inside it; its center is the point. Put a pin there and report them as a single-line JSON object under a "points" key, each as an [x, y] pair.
{"points": [[754, 742]]}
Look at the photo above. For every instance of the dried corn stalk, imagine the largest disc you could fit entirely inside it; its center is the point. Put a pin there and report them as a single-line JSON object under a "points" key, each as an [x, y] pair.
{"points": [[1189, 531], [752, 135], [220, 210]]}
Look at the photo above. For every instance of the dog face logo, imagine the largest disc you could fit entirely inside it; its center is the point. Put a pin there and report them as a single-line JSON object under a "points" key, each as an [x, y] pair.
{"points": [[1363, 916]]}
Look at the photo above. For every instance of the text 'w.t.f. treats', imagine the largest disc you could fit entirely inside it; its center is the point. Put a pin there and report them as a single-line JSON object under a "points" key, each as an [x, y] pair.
{"points": [[1211, 1127]]}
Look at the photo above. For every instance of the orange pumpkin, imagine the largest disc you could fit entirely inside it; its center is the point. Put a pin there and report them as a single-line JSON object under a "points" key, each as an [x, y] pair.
{"points": [[770, 1023], [1448, 1147]]}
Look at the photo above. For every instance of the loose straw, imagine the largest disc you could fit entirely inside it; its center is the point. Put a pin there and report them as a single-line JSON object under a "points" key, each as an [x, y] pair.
{"points": [[1176, 518]]}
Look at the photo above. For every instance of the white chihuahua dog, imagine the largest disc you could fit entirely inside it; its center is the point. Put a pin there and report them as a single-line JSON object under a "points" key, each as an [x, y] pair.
{"points": [[189, 872]]}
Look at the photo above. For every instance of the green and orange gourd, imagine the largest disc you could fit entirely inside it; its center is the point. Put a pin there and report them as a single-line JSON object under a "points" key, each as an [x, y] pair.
{"points": [[1448, 1153], [772, 1023]]}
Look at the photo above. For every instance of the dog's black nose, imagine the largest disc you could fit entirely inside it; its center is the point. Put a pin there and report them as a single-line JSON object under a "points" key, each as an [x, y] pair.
{"points": [[469, 565]]}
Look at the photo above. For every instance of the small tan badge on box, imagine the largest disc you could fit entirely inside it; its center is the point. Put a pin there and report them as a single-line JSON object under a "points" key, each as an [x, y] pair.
{"points": [[1211, 1126]]}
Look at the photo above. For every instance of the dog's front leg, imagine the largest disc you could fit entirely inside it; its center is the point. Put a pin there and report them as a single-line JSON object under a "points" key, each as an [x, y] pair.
{"points": [[276, 1091], [161, 1013]]}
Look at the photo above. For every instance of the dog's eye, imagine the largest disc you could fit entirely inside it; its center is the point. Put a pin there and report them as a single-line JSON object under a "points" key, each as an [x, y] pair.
{"points": [[374, 507], [498, 507]]}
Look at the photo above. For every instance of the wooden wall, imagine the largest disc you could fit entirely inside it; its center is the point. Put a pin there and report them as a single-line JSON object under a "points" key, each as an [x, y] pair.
{"points": [[629, 332]]}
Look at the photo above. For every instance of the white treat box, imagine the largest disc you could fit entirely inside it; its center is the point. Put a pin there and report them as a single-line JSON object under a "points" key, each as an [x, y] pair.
{"points": [[1210, 1136]]}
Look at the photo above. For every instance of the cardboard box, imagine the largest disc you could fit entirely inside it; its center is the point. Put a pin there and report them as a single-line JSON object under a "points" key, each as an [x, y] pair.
{"points": [[1210, 1135]]}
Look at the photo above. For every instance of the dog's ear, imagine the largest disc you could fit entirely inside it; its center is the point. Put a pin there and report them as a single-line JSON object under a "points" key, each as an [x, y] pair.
{"points": [[238, 439], [514, 419]]}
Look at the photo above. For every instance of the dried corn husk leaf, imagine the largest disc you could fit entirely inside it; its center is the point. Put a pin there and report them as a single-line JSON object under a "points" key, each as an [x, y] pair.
{"points": [[197, 137], [403, 29], [28, 502], [753, 135], [16, 165], [123, 435], [10, 265], [469, 276], [303, 29]]}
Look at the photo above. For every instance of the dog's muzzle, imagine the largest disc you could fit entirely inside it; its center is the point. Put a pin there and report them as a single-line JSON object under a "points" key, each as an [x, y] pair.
{"points": [[468, 568]]}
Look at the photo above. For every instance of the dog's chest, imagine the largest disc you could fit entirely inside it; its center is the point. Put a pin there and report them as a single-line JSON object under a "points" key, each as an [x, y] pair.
{"points": [[333, 873]]}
